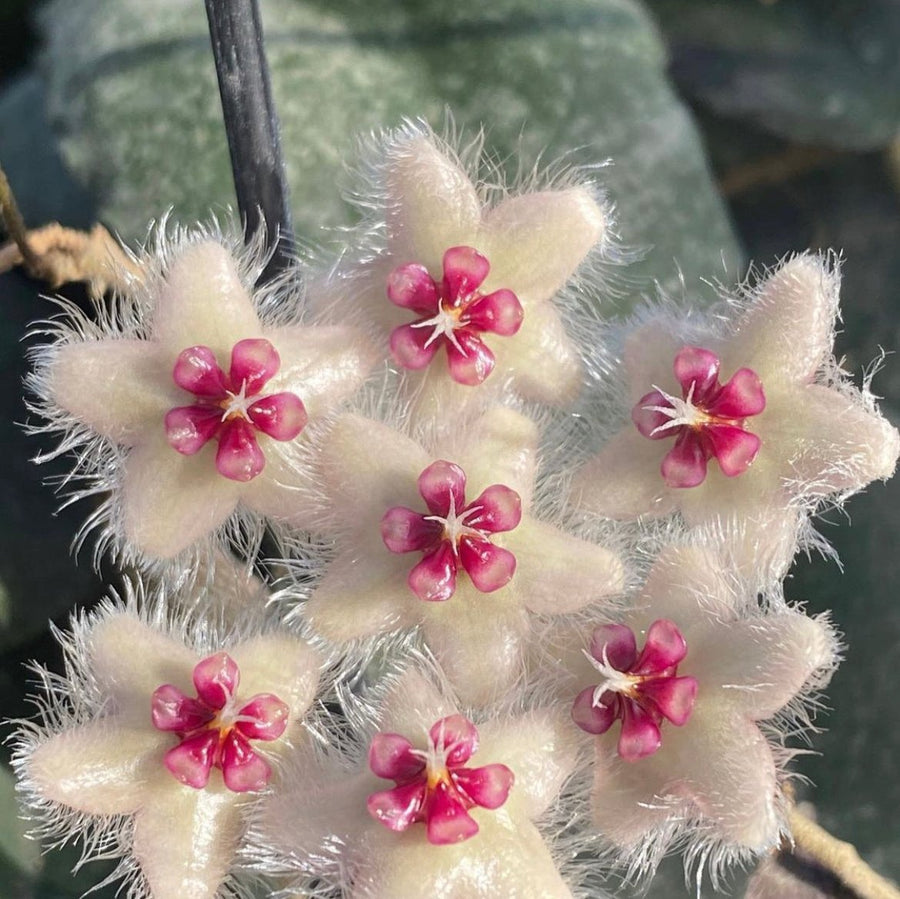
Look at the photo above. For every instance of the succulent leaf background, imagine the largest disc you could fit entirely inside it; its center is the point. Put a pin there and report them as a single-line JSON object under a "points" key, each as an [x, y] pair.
{"points": [[105, 124]]}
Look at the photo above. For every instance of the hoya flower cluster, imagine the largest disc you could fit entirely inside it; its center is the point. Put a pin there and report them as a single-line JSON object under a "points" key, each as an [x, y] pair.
{"points": [[505, 640]]}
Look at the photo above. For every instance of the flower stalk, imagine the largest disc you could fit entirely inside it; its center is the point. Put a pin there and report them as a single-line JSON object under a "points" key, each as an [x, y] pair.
{"points": [[251, 125]]}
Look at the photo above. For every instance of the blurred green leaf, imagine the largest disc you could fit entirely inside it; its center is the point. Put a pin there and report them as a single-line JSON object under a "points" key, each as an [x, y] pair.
{"points": [[133, 93], [816, 72]]}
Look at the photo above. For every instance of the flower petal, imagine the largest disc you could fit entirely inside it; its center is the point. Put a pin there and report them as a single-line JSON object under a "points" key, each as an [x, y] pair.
{"points": [[500, 509], [763, 662], [663, 648], [243, 769], [541, 358], [471, 361], [685, 464], [390, 756], [280, 415], [615, 644], [499, 312], [169, 501], [120, 388], [190, 428], [171, 710], [742, 396], [558, 573], [464, 270], [840, 444], [216, 679], [488, 786], [500, 447], [239, 457], [192, 759], [197, 371], [254, 361], [202, 301], [432, 204], [536, 241], [164, 660], [411, 348], [622, 481], [788, 329], [490, 567], [268, 718], [398, 807], [673, 696], [640, 734], [443, 486], [734, 448], [697, 371], [434, 578], [479, 649], [322, 365], [448, 819], [361, 595], [595, 719], [457, 737], [185, 841], [98, 768], [411, 287], [405, 531], [282, 666]]}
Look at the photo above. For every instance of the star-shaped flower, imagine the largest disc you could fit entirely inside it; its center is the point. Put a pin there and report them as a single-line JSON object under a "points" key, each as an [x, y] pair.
{"points": [[487, 566], [750, 421], [190, 399], [122, 750], [335, 825], [699, 765], [474, 277]]}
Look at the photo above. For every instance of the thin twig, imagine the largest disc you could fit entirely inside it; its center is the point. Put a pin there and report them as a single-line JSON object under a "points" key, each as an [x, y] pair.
{"points": [[15, 225], [840, 858], [251, 124]]}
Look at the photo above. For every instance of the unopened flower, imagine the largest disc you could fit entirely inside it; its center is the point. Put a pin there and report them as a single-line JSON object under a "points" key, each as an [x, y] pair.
{"points": [[189, 399], [126, 757], [459, 822], [463, 289], [743, 416], [705, 708], [480, 568]]}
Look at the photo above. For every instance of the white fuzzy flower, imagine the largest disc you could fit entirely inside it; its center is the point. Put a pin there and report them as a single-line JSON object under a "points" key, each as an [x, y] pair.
{"points": [[458, 821], [691, 695], [462, 293], [155, 740], [445, 537], [188, 399], [742, 414]]}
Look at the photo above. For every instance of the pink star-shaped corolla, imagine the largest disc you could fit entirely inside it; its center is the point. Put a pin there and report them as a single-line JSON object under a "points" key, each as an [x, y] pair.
{"points": [[639, 689], [115, 757], [455, 534], [215, 729], [715, 779], [434, 784], [787, 430], [178, 472], [454, 315], [368, 469], [707, 421], [232, 407], [479, 840]]}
